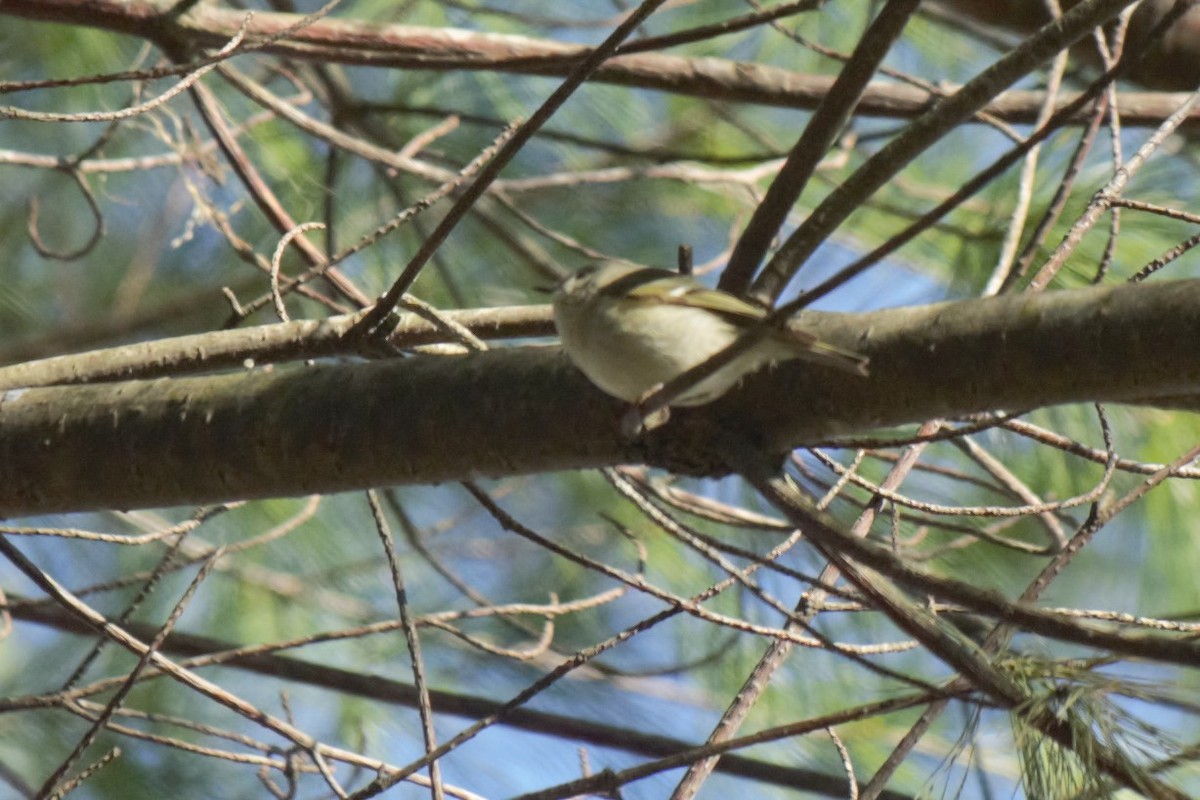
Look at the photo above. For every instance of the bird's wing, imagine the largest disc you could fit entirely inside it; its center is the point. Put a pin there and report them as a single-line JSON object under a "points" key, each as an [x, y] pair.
{"points": [[664, 287]]}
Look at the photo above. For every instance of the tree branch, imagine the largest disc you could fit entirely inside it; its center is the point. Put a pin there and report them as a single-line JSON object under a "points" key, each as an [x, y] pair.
{"points": [[337, 41], [332, 427]]}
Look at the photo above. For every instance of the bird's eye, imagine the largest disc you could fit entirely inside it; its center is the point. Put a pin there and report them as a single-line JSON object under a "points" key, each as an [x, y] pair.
{"points": [[579, 277]]}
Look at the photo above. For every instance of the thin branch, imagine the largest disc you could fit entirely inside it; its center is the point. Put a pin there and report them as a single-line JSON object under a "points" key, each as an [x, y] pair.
{"points": [[412, 640], [503, 156], [945, 115], [822, 130]]}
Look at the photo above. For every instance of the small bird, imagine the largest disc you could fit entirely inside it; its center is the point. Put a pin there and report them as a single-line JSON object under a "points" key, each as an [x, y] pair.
{"points": [[630, 329]]}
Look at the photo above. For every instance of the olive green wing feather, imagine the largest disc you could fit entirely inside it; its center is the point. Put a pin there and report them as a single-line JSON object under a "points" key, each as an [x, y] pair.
{"points": [[661, 286]]}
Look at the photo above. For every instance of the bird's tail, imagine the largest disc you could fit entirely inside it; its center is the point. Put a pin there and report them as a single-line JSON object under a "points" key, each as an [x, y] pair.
{"points": [[807, 347]]}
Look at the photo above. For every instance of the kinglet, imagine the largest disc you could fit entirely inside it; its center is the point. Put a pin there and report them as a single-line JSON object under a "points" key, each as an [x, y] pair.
{"points": [[629, 329]]}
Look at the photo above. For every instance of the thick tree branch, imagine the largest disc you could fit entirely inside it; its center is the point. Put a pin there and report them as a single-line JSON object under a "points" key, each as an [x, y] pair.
{"points": [[332, 427], [442, 49], [1172, 63]]}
